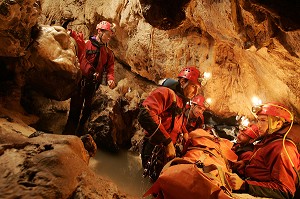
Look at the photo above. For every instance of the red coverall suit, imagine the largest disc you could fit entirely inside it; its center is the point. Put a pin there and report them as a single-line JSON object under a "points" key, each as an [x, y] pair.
{"points": [[244, 152], [269, 172], [88, 85], [162, 117]]}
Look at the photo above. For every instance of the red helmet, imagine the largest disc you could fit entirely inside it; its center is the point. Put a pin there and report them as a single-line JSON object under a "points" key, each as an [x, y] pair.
{"points": [[252, 131], [105, 25], [273, 109], [191, 73], [199, 100]]}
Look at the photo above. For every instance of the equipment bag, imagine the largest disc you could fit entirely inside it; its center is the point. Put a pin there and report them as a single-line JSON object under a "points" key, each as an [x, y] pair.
{"points": [[200, 173], [183, 179]]}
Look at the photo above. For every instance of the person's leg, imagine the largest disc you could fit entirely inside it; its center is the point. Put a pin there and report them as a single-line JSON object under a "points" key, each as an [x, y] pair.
{"points": [[146, 151], [87, 109], [153, 159], [74, 113]]}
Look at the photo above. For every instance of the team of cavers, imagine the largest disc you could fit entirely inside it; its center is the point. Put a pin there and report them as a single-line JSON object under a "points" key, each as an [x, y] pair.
{"points": [[267, 162]]}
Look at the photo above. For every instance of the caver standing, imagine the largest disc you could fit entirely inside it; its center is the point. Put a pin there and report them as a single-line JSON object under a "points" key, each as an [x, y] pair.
{"points": [[97, 66]]}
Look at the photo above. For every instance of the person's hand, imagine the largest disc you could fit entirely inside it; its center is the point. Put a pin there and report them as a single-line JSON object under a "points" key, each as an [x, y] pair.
{"points": [[185, 137], [236, 182], [170, 151], [111, 84], [69, 31], [238, 165]]}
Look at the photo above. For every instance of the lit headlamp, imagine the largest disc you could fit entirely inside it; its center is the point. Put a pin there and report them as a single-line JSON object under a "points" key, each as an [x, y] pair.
{"points": [[206, 104], [242, 127], [257, 108], [204, 78], [243, 122]]}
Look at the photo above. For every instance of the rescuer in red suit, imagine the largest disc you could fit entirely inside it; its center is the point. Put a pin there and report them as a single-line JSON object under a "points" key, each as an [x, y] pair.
{"points": [[162, 117], [272, 171], [97, 67]]}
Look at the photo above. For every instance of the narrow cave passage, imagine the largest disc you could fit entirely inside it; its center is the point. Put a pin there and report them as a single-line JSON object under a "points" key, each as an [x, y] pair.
{"points": [[164, 14]]}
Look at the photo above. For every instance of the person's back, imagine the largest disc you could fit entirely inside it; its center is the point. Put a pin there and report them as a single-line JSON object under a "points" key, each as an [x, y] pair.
{"points": [[160, 106], [268, 169]]}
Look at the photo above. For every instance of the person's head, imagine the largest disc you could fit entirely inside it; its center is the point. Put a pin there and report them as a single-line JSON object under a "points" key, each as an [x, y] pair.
{"points": [[271, 117], [105, 31], [198, 106], [248, 135], [188, 79]]}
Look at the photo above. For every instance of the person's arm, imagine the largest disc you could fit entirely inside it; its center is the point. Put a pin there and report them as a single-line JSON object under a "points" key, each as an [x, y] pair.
{"points": [[185, 133], [109, 67], [85, 67], [243, 186], [283, 176], [156, 103], [246, 155]]}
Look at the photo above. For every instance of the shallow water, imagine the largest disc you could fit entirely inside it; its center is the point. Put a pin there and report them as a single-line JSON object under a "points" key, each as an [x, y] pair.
{"points": [[124, 169]]}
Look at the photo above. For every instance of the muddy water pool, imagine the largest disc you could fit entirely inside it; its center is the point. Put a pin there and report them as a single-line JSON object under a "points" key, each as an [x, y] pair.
{"points": [[124, 169]]}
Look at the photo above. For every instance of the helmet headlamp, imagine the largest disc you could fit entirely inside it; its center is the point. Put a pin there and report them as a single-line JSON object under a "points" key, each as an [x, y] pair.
{"points": [[257, 108]]}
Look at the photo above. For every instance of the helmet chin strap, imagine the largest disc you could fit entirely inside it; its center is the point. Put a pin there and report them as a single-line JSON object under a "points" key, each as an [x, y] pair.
{"points": [[193, 109], [188, 117], [100, 38], [185, 85]]}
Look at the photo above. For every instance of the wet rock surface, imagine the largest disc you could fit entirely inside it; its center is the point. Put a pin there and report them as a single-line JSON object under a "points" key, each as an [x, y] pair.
{"points": [[48, 166]]}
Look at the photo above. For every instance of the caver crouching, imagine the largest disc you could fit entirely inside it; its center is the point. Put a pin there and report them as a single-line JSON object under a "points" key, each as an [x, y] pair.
{"points": [[162, 117]]}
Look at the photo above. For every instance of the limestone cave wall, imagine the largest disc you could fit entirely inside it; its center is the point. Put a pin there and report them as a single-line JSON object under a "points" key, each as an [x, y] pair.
{"points": [[251, 48]]}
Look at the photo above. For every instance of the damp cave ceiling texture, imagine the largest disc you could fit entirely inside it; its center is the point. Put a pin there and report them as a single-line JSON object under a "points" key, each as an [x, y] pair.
{"points": [[250, 47], [169, 14], [164, 15]]}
